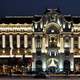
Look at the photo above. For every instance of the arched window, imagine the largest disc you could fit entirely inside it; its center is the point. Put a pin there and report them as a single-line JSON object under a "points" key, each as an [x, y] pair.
{"points": [[52, 28]]}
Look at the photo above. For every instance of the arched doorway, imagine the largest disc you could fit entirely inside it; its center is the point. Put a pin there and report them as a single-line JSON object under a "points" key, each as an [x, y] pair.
{"points": [[38, 65], [52, 64], [66, 66]]}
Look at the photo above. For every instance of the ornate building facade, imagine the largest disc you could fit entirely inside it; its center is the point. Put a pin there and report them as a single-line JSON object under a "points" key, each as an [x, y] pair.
{"points": [[52, 34]]}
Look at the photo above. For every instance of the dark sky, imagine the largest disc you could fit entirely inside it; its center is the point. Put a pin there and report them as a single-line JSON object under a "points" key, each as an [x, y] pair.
{"points": [[31, 7]]}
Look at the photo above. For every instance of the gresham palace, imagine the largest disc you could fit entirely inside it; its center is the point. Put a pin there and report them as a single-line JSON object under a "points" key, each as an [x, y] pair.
{"points": [[48, 42]]}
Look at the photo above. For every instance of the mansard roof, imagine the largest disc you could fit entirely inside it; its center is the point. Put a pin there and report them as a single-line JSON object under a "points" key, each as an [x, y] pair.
{"points": [[19, 19], [75, 19], [15, 20], [30, 19]]}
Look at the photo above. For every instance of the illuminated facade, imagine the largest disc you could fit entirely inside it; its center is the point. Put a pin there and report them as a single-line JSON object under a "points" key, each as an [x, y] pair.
{"points": [[52, 34]]}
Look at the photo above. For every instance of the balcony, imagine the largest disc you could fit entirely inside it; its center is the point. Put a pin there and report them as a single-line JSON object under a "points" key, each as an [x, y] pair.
{"points": [[18, 52]]}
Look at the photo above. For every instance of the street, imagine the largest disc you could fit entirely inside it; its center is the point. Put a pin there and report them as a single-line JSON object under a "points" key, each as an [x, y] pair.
{"points": [[48, 78]]}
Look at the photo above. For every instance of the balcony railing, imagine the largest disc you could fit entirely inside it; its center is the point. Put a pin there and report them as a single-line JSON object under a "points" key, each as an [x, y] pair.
{"points": [[20, 51]]}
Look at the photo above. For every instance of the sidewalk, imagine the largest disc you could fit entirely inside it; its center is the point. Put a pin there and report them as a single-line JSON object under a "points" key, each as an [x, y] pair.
{"points": [[48, 75], [63, 75]]}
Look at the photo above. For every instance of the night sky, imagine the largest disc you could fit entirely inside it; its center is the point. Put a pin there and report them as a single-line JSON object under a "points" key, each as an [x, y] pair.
{"points": [[31, 7]]}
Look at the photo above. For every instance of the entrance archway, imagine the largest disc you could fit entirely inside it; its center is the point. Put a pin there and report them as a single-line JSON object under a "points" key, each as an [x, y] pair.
{"points": [[38, 65], [52, 64], [66, 66], [53, 28]]}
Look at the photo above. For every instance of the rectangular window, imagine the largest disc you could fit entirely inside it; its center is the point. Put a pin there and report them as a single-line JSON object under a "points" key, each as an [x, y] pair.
{"points": [[75, 42]]}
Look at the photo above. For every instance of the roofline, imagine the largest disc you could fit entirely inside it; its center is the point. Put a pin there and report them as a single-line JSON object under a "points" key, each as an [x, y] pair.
{"points": [[18, 16]]}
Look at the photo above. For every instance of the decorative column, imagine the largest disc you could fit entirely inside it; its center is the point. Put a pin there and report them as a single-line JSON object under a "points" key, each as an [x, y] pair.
{"points": [[34, 64], [11, 50], [11, 41], [33, 45], [44, 64], [46, 41], [58, 42], [3, 41], [18, 41], [41, 24], [43, 44], [72, 62], [25, 41], [33, 51], [79, 43], [58, 21], [72, 45], [61, 45]]}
